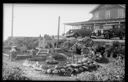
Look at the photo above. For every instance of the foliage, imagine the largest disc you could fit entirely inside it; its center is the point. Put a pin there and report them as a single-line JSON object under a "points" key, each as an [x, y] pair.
{"points": [[59, 57], [102, 60], [12, 73], [38, 58], [117, 49], [64, 52], [68, 44], [88, 42], [47, 37], [52, 61], [23, 57], [113, 71], [100, 49], [22, 43]]}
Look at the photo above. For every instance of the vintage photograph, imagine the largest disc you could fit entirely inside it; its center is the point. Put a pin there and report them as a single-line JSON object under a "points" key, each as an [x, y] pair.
{"points": [[63, 42]]}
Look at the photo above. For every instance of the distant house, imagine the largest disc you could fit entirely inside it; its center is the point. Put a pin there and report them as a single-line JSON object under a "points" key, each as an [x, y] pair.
{"points": [[105, 16]]}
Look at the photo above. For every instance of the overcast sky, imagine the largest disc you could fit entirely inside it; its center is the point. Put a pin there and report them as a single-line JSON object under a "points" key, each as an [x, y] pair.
{"points": [[36, 19]]}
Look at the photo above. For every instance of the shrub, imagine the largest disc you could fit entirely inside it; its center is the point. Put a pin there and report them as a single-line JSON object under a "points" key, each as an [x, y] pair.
{"points": [[20, 57], [113, 71], [68, 44], [59, 57], [116, 50], [38, 58], [13, 74], [52, 62], [64, 52], [23, 43], [102, 60]]}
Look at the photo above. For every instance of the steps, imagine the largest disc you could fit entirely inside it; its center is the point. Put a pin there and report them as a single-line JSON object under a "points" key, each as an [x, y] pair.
{"points": [[43, 52]]}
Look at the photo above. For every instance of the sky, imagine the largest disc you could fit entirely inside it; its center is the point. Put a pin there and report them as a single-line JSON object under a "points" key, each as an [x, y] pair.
{"points": [[35, 19]]}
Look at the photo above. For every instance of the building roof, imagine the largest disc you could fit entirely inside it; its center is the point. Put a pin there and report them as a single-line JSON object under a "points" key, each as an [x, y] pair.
{"points": [[96, 8], [92, 21]]}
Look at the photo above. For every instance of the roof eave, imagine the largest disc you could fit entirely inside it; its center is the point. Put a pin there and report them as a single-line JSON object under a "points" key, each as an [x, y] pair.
{"points": [[122, 6], [94, 9]]}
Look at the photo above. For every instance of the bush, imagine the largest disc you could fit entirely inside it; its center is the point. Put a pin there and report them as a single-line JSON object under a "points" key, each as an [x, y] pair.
{"points": [[38, 58], [13, 74], [59, 57], [113, 71], [116, 50], [52, 62], [102, 60], [64, 52], [23, 43], [68, 44], [23, 57]]}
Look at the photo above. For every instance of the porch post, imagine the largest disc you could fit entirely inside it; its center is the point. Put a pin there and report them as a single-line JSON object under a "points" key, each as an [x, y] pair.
{"points": [[119, 25], [64, 28], [94, 27]]}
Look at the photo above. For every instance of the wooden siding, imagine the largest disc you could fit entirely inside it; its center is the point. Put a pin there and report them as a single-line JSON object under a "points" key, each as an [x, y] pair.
{"points": [[102, 12]]}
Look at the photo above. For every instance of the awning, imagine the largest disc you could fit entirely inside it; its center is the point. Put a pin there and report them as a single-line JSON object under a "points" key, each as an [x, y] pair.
{"points": [[91, 22]]}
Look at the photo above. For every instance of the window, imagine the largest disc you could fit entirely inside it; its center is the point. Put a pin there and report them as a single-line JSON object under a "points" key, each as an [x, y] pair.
{"points": [[121, 13], [87, 27], [107, 14], [96, 15]]}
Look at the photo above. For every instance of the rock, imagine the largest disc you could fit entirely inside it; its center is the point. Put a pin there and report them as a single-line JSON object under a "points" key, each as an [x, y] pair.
{"points": [[62, 70], [84, 59], [52, 61], [70, 68], [85, 64], [26, 63], [81, 69], [55, 71], [79, 62], [85, 51], [85, 68], [68, 73], [76, 70], [49, 71]]}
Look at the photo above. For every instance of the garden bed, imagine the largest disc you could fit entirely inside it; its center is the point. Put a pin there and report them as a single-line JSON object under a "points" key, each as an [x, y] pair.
{"points": [[107, 72], [111, 69]]}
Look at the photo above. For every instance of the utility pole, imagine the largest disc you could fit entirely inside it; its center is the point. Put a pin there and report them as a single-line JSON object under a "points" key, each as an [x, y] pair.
{"points": [[58, 29], [12, 20], [64, 29], [12, 24]]}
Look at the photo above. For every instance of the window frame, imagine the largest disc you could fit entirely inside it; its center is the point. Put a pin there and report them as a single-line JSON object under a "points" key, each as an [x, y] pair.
{"points": [[107, 14], [96, 15], [121, 13]]}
